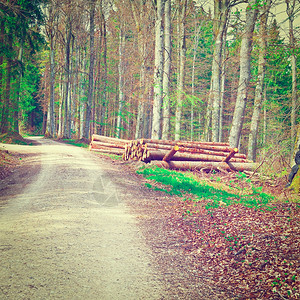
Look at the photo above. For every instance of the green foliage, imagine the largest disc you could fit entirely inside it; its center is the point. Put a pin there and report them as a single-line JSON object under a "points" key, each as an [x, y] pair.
{"points": [[76, 143], [180, 183]]}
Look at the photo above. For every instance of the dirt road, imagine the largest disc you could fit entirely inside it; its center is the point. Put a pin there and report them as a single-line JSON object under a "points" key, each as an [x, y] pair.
{"points": [[67, 234]]}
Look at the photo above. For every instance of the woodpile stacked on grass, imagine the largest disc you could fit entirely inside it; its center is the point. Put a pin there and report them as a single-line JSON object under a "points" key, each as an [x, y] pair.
{"points": [[183, 155]]}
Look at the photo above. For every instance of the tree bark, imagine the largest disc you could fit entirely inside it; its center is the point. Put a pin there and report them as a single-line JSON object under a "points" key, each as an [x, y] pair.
{"points": [[158, 72], [67, 129], [167, 71], [51, 33], [186, 156], [221, 13], [104, 92], [180, 79], [195, 47], [245, 57], [6, 114], [121, 81], [106, 139], [199, 165], [290, 9], [91, 71], [252, 144]]}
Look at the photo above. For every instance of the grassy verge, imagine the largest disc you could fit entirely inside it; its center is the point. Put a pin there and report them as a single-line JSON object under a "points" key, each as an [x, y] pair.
{"points": [[179, 183], [77, 143], [244, 241]]}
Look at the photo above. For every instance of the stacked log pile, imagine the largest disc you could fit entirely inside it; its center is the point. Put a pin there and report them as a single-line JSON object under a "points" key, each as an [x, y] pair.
{"points": [[106, 144], [175, 154]]}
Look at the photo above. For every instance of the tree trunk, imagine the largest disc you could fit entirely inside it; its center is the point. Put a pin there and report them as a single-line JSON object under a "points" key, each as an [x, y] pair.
{"points": [[195, 47], [61, 106], [252, 144], [180, 80], [245, 57], [222, 9], [104, 92], [91, 71], [16, 103], [2, 107], [121, 81], [290, 9], [158, 72], [167, 71], [200, 165], [6, 114], [141, 40], [51, 113], [67, 129]]}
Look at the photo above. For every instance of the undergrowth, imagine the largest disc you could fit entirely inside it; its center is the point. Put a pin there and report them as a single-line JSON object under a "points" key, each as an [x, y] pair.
{"points": [[75, 143], [179, 183]]}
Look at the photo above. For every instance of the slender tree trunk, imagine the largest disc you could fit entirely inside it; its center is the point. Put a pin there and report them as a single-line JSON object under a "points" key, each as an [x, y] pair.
{"points": [[15, 121], [6, 114], [121, 81], [167, 71], [52, 89], [141, 39], [86, 133], [220, 27], [67, 129], [208, 115], [61, 106], [2, 32], [51, 113], [158, 72], [104, 92], [180, 82], [195, 47], [222, 91], [245, 56], [290, 9], [258, 99]]}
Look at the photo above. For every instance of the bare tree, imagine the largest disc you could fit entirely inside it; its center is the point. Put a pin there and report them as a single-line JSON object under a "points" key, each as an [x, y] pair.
{"points": [[246, 46], [121, 80], [167, 71], [221, 15], [252, 144], [91, 70], [291, 11], [181, 60], [158, 71]]}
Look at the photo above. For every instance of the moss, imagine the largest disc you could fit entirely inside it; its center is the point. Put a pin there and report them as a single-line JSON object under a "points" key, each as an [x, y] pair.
{"points": [[295, 185]]}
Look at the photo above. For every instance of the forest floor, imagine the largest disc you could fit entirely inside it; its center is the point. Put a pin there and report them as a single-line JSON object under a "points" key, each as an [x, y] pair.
{"points": [[232, 252]]}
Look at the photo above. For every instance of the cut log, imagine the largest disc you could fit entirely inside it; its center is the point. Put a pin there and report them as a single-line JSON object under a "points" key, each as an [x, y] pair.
{"points": [[106, 139], [212, 146], [170, 154], [179, 156], [95, 144], [193, 165], [194, 150], [208, 152], [173, 143], [231, 154]]}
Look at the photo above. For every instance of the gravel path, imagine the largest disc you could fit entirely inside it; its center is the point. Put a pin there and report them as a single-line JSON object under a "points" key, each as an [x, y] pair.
{"points": [[67, 234]]}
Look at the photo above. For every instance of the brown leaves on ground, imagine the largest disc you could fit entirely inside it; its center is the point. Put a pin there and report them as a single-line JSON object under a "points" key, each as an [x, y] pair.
{"points": [[248, 253], [7, 163]]}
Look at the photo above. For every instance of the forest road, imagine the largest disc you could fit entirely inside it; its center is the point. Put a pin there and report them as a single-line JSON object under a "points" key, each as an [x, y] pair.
{"points": [[67, 235]]}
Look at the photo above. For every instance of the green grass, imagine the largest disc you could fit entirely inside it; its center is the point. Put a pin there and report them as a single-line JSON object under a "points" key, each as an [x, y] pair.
{"points": [[75, 143], [179, 183], [112, 156]]}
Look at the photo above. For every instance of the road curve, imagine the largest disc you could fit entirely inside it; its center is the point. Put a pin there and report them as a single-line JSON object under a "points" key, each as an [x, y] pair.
{"points": [[68, 235]]}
